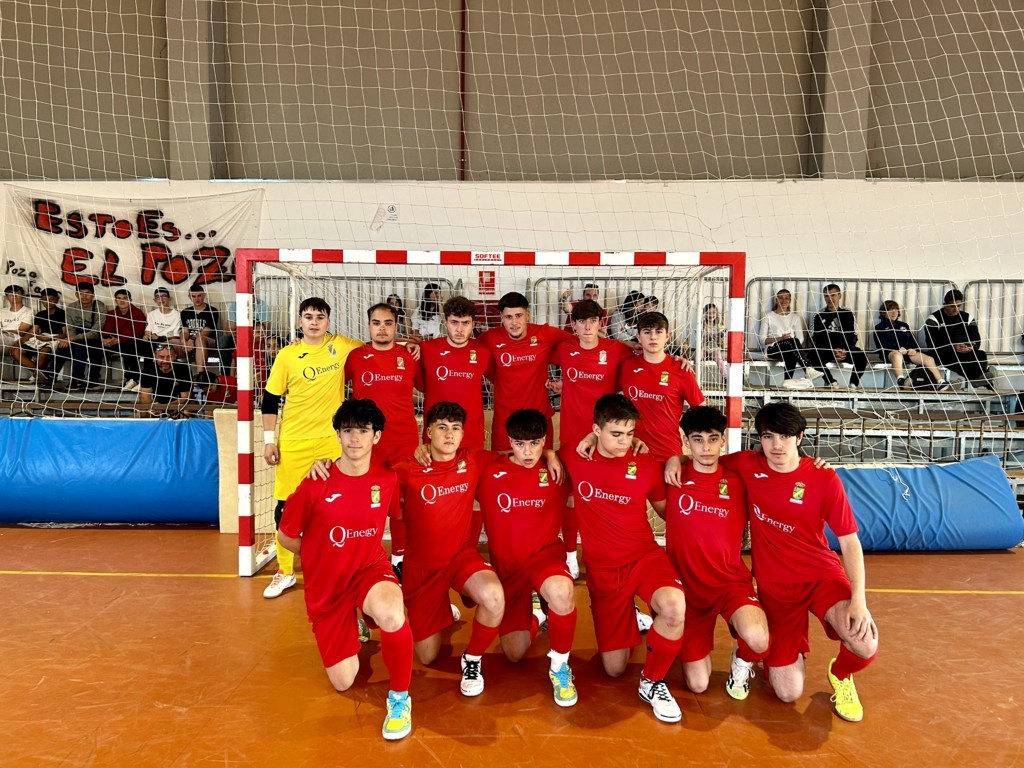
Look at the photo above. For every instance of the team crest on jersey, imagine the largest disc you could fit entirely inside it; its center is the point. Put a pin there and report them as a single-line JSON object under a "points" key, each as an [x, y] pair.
{"points": [[401, 363], [461, 466], [533, 341], [798, 493], [631, 471], [542, 477], [472, 357], [374, 496], [602, 357], [663, 380], [723, 489], [330, 348]]}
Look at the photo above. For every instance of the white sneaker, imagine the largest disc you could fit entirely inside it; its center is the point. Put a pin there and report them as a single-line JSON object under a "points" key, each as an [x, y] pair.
{"points": [[813, 373], [472, 677], [456, 613], [130, 386], [656, 693], [643, 621], [279, 584], [538, 612], [573, 564], [738, 684]]}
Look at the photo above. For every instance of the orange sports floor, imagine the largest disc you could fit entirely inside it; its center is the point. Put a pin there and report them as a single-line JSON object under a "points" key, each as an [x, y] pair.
{"points": [[139, 647]]}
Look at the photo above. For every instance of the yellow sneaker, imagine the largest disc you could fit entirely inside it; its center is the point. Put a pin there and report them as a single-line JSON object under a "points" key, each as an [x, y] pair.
{"points": [[398, 722], [845, 698], [562, 686]]}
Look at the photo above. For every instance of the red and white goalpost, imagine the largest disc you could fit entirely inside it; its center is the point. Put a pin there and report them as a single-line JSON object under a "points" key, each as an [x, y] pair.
{"points": [[271, 283]]}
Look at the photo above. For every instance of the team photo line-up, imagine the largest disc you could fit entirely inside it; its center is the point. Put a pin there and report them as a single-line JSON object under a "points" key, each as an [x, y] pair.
{"points": [[633, 432]]}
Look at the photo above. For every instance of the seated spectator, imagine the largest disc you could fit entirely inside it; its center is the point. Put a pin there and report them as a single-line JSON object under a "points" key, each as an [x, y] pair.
{"points": [[712, 338], [953, 336], [622, 325], [896, 343], [199, 324], [591, 292], [402, 328], [783, 334], [226, 342], [83, 341], [49, 327], [834, 337], [166, 386], [163, 324], [122, 333], [15, 324], [428, 321]]}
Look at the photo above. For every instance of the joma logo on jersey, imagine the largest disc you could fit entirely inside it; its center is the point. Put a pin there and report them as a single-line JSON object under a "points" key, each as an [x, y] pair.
{"points": [[339, 534], [798, 493], [310, 372]]}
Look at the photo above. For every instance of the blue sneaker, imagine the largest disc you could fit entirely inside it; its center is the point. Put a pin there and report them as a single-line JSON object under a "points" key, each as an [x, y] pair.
{"points": [[562, 686], [398, 722]]}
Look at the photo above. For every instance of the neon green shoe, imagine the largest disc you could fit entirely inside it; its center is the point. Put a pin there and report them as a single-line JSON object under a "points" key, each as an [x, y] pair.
{"points": [[562, 686], [398, 722], [845, 697]]}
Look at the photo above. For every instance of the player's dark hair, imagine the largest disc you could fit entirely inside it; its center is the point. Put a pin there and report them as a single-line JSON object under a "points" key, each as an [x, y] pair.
{"points": [[953, 295], [197, 287], [526, 424], [459, 306], [16, 290], [358, 413], [703, 418], [831, 287], [591, 285], [445, 411], [123, 292], [886, 307], [614, 408], [382, 305], [653, 320], [512, 300], [780, 418], [315, 303], [50, 292], [586, 309], [429, 306]]}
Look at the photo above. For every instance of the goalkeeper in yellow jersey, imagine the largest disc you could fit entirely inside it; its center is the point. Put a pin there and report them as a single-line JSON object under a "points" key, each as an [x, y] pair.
{"points": [[311, 374]]}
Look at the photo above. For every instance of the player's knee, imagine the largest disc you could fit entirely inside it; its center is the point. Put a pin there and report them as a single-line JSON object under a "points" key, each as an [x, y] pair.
{"points": [[864, 649], [561, 596], [342, 680], [390, 621], [425, 656], [697, 682], [787, 689], [757, 638], [492, 599], [673, 608]]}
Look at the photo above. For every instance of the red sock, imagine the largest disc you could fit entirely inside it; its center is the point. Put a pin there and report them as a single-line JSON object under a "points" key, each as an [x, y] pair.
{"points": [[570, 530], [397, 537], [661, 652], [847, 663], [481, 638], [561, 630], [396, 649], [747, 654]]}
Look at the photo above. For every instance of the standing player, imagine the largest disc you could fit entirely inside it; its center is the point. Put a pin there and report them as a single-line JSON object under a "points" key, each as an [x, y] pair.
{"points": [[658, 387], [591, 292], [311, 374], [454, 368], [704, 522], [611, 492], [790, 502], [337, 524], [441, 552], [521, 352], [523, 506]]}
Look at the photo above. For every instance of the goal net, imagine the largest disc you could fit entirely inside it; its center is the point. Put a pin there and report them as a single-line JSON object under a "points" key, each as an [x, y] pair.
{"points": [[272, 284]]}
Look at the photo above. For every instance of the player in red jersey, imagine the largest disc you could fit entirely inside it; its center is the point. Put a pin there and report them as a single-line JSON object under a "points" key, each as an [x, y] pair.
{"points": [[521, 352], [337, 525], [705, 518], [522, 506], [441, 554], [454, 368], [790, 503], [611, 492], [658, 387], [387, 373]]}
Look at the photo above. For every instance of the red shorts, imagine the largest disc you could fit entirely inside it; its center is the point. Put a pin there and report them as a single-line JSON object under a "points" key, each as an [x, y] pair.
{"points": [[336, 632], [701, 616], [611, 596], [787, 606], [520, 586], [426, 591]]}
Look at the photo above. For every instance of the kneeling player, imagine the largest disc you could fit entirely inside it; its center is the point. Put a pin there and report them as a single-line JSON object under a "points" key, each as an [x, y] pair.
{"points": [[704, 523], [523, 509], [338, 524], [611, 492]]}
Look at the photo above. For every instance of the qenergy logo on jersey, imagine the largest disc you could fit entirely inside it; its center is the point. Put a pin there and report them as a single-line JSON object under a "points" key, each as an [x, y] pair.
{"points": [[688, 504], [507, 358], [506, 503], [339, 534], [769, 521], [588, 492], [444, 373], [635, 393], [431, 493], [573, 374], [310, 372], [369, 378]]}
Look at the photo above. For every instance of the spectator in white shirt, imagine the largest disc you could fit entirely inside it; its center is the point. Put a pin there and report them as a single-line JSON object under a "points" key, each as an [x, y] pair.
{"points": [[782, 333]]}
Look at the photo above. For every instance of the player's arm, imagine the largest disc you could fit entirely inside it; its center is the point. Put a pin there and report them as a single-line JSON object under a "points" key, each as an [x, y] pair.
{"points": [[554, 466], [674, 470], [269, 408], [290, 543], [588, 445], [858, 617], [659, 508]]}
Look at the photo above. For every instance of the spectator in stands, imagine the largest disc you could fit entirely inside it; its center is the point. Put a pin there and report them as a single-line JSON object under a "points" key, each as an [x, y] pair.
{"points": [[896, 344], [591, 292], [834, 337], [123, 327], [49, 327], [402, 328], [623, 321], [163, 324], [166, 386], [712, 338], [199, 324], [428, 321], [84, 328], [953, 336], [226, 343], [15, 324], [783, 334]]}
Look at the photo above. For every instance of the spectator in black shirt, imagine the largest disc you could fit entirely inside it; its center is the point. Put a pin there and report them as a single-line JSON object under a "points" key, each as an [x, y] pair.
{"points": [[166, 387], [953, 336], [48, 328], [199, 325], [834, 337]]}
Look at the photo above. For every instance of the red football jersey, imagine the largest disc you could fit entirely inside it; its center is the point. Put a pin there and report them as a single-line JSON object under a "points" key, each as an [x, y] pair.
{"points": [[456, 374], [523, 511], [611, 498], [437, 506], [520, 374], [704, 524], [788, 513], [658, 390], [587, 374], [388, 377], [341, 522]]}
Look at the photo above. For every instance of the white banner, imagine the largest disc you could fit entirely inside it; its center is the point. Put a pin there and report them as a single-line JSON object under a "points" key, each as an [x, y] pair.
{"points": [[61, 240]]}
